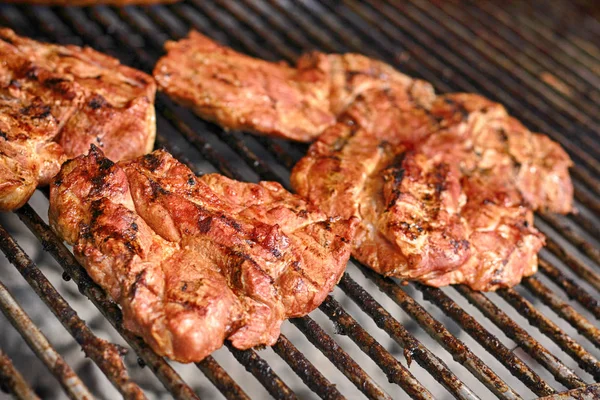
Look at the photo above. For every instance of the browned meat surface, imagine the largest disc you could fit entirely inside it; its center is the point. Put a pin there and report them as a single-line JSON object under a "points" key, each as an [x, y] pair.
{"points": [[451, 203], [444, 186], [56, 101], [240, 92], [194, 261]]}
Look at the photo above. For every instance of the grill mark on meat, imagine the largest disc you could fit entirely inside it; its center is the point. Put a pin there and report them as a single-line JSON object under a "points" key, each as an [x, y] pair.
{"points": [[230, 222], [31, 72], [397, 174], [7, 39], [97, 101], [439, 182], [151, 162], [61, 86], [36, 111], [204, 224], [458, 106]]}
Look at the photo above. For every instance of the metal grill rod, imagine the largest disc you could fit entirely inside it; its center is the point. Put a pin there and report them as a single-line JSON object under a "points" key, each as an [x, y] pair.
{"points": [[170, 379], [573, 263], [561, 372], [394, 371], [573, 237], [586, 361], [461, 353], [105, 355], [568, 70], [490, 342], [412, 347], [560, 307], [428, 60], [338, 356], [12, 382], [262, 372], [586, 56], [70, 382], [309, 374], [570, 287], [498, 60], [505, 89]]}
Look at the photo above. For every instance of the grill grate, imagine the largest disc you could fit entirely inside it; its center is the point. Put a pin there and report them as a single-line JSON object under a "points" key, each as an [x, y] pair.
{"points": [[544, 71]]}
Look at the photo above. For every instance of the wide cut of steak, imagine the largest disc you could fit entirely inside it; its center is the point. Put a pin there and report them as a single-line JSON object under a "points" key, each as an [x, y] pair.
{"points": [[450, 203], [196, 260], [444, 186], [57, 100], [241, 92]]}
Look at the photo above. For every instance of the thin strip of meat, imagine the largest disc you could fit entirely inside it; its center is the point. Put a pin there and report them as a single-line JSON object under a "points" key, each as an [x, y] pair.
{"points": [[197, 260], [56, 101]]}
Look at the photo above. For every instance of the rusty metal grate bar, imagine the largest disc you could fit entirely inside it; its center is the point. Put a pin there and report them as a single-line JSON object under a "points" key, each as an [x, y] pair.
{"points": [[136, 35], [66, 377], [12, 382], [106, 355], [109, 309]]}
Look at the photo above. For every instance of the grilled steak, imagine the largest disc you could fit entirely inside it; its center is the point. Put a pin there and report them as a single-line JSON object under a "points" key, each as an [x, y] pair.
{"points": [[56, 101], [444, 186], [240, 92], [451, 203], [194, 261]]}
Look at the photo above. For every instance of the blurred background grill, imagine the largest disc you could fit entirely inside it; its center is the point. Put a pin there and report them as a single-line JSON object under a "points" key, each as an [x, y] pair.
{"points": [[373, 336]]}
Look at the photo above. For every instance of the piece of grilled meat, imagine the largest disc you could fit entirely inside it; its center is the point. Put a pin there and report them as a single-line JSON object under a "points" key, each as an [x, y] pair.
{"points": [[55, 102], [446, 197], [240, 92], [194, 261]]}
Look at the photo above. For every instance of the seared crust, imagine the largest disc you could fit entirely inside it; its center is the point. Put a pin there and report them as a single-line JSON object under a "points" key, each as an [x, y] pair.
{"points": [[56, 101], [193, 261]]}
